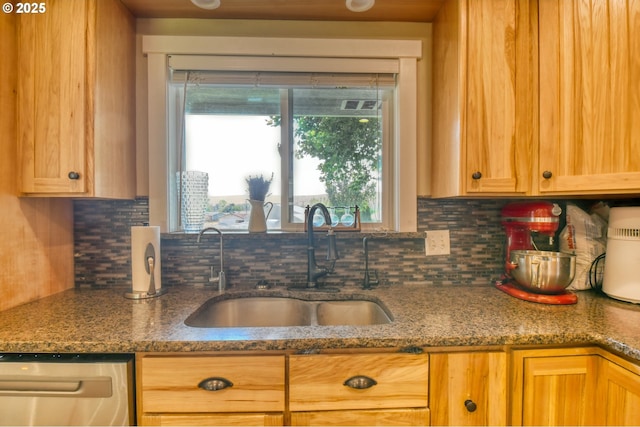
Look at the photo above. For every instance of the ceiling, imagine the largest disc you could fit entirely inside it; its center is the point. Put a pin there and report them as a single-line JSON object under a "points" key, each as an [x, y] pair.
{"points": [[316, 10]]}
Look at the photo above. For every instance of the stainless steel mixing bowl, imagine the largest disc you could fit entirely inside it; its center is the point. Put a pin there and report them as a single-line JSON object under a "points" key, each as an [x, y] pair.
{"points": [[542, 272]]}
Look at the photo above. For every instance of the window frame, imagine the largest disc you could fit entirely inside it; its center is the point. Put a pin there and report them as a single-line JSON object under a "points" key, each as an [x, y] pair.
{"points": [[289, 55]]}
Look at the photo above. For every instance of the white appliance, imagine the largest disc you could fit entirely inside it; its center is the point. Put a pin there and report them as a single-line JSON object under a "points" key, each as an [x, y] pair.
{"points": [[622, 266], [65, 390]]}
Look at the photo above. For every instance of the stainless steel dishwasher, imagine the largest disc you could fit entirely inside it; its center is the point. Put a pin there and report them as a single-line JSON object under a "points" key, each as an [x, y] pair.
{"points": [[66, 389]]}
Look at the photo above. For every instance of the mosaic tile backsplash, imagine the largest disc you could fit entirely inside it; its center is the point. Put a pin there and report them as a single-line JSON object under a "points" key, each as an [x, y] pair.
{"points": [[102, 249]]}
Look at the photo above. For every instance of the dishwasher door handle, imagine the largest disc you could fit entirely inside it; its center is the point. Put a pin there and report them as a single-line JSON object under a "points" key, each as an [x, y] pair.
{"points": [[55, 386]]}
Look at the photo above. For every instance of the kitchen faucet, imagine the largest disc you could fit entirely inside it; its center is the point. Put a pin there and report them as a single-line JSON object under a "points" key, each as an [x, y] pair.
{"points": [[314, 272], [368, 282], [221, 280]]}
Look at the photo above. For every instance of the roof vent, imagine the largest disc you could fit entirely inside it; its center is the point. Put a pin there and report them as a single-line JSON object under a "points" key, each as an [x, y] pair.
{"points": [[361, 105]]}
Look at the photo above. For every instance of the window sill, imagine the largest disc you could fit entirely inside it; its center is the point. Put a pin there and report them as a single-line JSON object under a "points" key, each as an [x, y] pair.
{"points": [[245, 235]]}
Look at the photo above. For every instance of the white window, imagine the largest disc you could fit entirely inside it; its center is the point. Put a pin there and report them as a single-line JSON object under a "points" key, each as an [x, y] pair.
{"points": [[248, 115]]}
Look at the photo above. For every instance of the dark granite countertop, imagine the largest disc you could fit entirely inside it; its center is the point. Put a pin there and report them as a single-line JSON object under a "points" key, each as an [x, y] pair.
{"points": [[103, 321]]}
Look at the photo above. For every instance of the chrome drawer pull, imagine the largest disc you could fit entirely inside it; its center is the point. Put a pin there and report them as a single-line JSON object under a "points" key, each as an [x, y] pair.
{"points": [[215, 384], [360, 382]]}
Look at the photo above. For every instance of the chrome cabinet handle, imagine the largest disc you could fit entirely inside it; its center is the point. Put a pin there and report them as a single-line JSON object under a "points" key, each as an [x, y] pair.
{"points": [[360, 382], [215, 384], [73, 175], [470, 405]]}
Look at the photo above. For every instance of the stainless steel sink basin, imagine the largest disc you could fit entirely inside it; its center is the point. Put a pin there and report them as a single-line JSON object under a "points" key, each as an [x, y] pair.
{"points": [[284, 311], [251, 312], [356, 312]]}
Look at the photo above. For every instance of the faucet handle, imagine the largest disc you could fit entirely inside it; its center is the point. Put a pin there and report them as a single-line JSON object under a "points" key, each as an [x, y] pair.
{"points": [[367, 282], [212, 275]]}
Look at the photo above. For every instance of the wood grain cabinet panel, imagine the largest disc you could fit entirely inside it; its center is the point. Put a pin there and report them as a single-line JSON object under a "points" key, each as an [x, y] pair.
{"points": [[389, 389], [484, 73], [317, 382], [212, 420], [574, 386], [559, 390], [171, 390], [372, 417], [76, 100], [619, 391], [536, 98], [589, 98], [468, 389]]}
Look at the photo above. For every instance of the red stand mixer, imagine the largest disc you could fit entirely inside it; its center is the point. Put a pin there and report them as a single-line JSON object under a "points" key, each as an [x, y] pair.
{"points": [[530, 226]]}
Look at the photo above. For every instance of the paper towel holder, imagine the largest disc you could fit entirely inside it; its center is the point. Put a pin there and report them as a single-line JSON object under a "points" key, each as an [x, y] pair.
{"points": [[149, 263], [145, 294]]}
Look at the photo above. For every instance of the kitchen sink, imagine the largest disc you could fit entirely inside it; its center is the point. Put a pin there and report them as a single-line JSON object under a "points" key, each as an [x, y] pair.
{"points": [[356, 312], [251, 312], [284, 311]]}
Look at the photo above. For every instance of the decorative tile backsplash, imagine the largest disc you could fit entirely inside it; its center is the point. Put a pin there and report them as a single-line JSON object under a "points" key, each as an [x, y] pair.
{"points": [[103, 238]]}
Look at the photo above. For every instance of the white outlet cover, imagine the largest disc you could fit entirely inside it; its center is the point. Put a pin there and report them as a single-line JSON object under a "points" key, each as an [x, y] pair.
{"points": [[437, 243]]}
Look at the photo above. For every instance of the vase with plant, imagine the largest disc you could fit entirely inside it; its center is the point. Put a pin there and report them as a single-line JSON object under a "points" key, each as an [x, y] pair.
{"points": [[258, 188]]}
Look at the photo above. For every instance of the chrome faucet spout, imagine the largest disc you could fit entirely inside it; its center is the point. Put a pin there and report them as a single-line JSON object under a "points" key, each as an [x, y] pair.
{"points": [[221, 279], [314, 272]]}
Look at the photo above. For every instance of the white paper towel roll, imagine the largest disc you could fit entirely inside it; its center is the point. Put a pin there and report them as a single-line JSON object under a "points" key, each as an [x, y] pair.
{"points": [[145, 243]]}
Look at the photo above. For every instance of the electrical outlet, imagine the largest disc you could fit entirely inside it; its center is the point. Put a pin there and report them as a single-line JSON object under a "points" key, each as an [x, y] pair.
{"points": [[437, 242]]}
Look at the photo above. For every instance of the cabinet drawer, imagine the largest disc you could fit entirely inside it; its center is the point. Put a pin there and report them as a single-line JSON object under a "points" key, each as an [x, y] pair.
{"points": [[255, 419], [317, 382], [364, 417], [171, 384]]}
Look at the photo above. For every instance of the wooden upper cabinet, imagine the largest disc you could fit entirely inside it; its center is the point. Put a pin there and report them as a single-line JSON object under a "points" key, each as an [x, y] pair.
{"points": [[484, 97], [589, 96], [76, 104]]}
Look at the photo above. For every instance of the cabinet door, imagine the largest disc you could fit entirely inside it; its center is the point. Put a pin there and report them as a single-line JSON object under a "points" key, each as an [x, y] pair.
{"points": [[468, 388], [51, 103], [555, 390], [500, 98], [589, 102], [620, 390], [384, 417]]}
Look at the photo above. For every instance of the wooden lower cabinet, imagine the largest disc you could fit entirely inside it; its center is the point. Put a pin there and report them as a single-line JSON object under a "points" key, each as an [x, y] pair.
{"points": [[323, 389], [468, 388], [574, 386], [359, 389], [458, 386], [212, 420], [373, 417], [210, 390], [554, 387], [619, 389]]}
